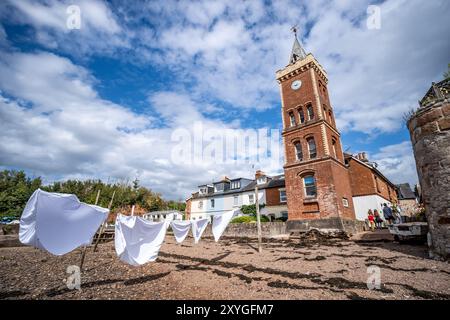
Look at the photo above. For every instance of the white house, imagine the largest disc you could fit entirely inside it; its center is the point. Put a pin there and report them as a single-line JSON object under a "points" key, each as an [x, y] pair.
{"points": [[228, 194]]}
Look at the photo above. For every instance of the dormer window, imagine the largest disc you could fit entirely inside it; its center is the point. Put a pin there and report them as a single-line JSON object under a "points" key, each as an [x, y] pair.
{"points": [[203, 190], [235, 184], [261, 180], [219, 187]]}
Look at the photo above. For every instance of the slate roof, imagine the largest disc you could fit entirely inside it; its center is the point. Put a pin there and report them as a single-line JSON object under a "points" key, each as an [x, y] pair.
{"points": [[274, 182], [405, 192]]}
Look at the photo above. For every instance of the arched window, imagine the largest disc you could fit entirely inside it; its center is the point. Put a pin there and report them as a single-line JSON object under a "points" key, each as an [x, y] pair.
{"points": [[310, 111], [301, 115], [324, 112], [310, 186], [292, 119], [298, 151], [312, 148]]}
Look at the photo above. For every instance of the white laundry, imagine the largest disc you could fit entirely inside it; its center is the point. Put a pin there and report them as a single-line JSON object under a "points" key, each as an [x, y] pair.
{"points": [[220, 223], [58, 222], [180, 229], [137, 240], [198, 226]]}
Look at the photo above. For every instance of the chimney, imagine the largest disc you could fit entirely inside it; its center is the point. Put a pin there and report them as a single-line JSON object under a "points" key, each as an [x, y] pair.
{"points": [[258, 174], [364, 157]]}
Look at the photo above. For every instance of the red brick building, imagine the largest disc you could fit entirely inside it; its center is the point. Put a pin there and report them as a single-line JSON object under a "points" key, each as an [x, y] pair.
{"points": [[318, 185], [370, 188]]}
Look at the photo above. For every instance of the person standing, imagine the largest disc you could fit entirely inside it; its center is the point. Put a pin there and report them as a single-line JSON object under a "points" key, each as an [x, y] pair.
{"points": [[387, 213], [378, 220], [397, 211], [371, 219]]}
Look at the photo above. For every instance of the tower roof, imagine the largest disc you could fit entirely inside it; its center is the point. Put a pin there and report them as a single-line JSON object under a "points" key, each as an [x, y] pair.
{"points": [[298, 53]]}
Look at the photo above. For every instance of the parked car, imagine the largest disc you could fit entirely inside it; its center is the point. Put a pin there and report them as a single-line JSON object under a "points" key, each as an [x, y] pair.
{"points": [[404, 232], [6, 220]]}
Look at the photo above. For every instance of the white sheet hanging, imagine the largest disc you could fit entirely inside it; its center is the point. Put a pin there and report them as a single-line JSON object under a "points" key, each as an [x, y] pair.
{"points": [[137, 240], [220, 223], [58, 222], [180, 229], [198, 226]]}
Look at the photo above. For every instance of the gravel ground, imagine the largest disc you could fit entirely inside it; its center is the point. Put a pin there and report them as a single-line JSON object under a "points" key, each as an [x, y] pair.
{"points": [[231, 269]]}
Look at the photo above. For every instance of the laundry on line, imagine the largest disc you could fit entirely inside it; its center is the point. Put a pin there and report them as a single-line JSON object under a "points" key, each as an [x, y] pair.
{"points": [[180, 229], [137, 240], [60, 223]]}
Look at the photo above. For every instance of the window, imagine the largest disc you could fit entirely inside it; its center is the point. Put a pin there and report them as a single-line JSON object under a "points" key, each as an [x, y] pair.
{"points": [[218, 187], [235, 200], [298, 151], [330, 116], [292, 119], [235, 184], [282, 195], [333, 145], [200, 204], [301, 115], [251, 198], [212, 203], [310, 111], [203, 190], [325, 112], [261, 180], [312, 148], [345, 202], [310, 186]]}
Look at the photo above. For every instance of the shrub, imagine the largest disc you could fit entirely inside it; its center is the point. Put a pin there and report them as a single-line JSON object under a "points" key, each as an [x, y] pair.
{"points": [[244, 219], [248, 219]]}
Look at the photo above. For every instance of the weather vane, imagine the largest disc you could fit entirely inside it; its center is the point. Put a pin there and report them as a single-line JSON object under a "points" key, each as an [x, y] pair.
{"points": [[294, 30]]}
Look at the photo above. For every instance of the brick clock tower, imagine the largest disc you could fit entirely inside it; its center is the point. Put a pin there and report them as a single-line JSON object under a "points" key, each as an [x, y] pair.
{"points": [[318, 186]]}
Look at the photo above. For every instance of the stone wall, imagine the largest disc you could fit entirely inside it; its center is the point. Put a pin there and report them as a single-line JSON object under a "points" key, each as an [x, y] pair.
{"points": [[429, 128], [269, 229], [348, 225]]}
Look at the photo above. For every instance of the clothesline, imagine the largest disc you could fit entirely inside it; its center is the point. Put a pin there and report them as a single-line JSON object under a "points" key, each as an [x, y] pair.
{"points": [[60, 223]]}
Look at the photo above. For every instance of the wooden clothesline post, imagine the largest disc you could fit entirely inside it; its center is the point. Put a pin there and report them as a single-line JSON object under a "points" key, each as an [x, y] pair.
{"points": [[83, 254], [258, 219], [102, 228]]}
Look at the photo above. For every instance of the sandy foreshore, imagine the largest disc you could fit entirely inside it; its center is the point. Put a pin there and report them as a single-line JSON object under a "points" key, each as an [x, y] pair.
{"points": [[231, 269]]}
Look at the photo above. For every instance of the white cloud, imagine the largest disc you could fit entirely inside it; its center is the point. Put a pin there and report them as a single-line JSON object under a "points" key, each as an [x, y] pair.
{"points": [[221, 53], [397, 162], [99, 32], [59, 127]]}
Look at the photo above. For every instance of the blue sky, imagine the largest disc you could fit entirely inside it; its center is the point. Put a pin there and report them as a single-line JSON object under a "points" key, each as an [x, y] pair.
{"points": [[102, 101]]}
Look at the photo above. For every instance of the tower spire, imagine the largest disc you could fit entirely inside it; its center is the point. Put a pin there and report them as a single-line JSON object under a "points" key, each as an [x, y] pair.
{"points": [[298, 53]]}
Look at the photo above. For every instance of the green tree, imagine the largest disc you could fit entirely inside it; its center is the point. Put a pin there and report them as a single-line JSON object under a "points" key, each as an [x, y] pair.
{"points": [[251, 209], [15, 190]]}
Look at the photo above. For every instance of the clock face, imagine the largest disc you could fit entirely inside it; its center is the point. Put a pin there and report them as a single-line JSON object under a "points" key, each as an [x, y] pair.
{"points": [[296, 85]]}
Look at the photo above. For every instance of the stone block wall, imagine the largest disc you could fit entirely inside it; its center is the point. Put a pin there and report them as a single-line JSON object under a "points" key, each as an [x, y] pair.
{"points": [[430, 135]]}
